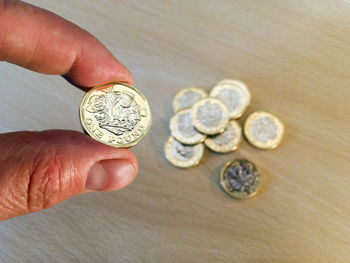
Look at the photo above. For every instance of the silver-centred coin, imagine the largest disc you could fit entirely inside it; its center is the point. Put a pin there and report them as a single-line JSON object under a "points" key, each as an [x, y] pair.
{"points": [[240, 178], [263, 130], [210, 116], [182, 129], [181, 155], [234, 94], [186, 97], [227, 141]]}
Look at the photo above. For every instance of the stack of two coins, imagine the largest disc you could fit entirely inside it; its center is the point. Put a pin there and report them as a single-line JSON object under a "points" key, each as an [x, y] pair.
{"points": [[206, 119]]}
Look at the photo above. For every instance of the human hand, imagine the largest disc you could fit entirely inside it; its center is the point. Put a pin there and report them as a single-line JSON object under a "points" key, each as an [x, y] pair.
{"points": [[41, 169]]}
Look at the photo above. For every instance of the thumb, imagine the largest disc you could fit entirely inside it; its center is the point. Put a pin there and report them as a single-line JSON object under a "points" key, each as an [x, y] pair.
{"points": [[40, 169]]}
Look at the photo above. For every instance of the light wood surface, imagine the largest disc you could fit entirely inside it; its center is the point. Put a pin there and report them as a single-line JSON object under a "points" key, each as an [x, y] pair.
{"points": [[295, 58]]}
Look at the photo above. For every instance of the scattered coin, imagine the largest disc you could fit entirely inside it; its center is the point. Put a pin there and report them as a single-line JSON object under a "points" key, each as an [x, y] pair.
{"points": [[186, 97], [263, 130], [240, 178], [116, 114], [234, 94], [227, 141], [210, 116], [182, 129], [181, 155]]}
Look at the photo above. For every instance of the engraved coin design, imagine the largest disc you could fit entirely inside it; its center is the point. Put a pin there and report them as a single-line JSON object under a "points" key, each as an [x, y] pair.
{"points": [[234, 94], [227, 141], [186, 97], [181, 155], [182, 129], [240, 178], [263, 130], [116, 114], [210, 116]]}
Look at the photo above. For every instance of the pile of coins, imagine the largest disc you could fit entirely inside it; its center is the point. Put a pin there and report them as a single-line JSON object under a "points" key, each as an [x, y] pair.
{"points": [[203, 119]]}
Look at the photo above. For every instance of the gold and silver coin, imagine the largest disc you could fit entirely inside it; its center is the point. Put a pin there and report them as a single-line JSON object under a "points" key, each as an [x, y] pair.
{"points": [[186, 97], [263, 130], [182, 129], [240, 178], [182, 155], [210, 116], [116, 114], [227, 141], [234, 94]]}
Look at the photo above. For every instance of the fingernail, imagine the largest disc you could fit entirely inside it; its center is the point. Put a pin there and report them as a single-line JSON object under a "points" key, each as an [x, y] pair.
{"points": [[108, 175]]}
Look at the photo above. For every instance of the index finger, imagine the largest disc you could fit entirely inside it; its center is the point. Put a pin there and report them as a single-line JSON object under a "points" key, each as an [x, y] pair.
{"points": [[41, 41]]}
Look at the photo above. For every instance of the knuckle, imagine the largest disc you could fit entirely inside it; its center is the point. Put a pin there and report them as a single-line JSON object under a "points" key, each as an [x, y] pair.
{"points": [[45, 180], [37, 171]]}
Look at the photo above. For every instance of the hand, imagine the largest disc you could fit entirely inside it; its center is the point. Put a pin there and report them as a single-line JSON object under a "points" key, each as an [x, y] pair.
{"points": [[40, 169]]}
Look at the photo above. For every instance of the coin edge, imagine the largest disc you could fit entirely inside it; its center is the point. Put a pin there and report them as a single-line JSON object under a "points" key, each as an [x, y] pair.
{"points": [[245, 91], [174, 130], [247, 133], [224, 187], [168, 144], [179, 94], [227, 116], [232, 149]]}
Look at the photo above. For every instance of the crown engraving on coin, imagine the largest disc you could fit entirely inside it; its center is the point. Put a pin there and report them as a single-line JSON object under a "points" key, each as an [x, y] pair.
{"points": [[116, 112]]}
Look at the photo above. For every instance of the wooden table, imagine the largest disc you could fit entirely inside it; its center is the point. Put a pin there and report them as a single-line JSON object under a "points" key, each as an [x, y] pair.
{"points": [[295, 58]]}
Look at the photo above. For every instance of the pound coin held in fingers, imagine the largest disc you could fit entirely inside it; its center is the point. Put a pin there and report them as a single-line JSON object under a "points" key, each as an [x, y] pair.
{"points": [[116, 114]]}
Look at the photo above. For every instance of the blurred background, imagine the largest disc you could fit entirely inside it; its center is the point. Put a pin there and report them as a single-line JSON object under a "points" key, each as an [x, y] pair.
{"points": [[294, 58]]}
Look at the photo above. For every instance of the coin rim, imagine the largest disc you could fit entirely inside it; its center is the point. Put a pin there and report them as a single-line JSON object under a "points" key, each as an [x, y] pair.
{"points": [[182, 164], [221, 127], [179, 95], [174, 131], [242, 88], [114, 83], [209, 142], [224, 186], [258, 144]]}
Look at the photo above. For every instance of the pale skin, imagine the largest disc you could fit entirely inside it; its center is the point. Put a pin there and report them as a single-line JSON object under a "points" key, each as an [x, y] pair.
{"points": [[41, 169]]}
